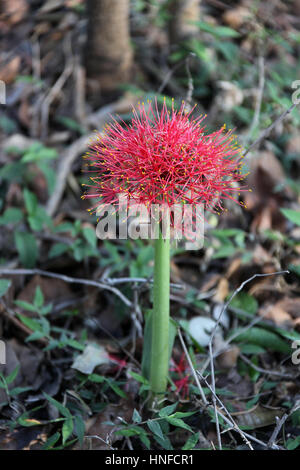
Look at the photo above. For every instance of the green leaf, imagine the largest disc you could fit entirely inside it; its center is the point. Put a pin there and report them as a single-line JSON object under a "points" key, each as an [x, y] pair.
{"points": [[12, 215], [292, 215], [11, 377], [58, 249], [167, 410], [291, 335], [251, 349], [180, 414], [38, 152], [138, 377], [145, 440], [116, 388], [292, 444], [67, 429], [226, 251], [25, 305], [35, 336], [154, 426], [51, 441], [27, 248], [17, 390], [31, 323], [79, 428], [62, 409], [90, 236], [38, 298], [164, 442], [294, 268], [136, 417], [246, 302], [264, 338], [50, 176], [191, 442], [31, 201], [4, 286], [217, 31], [179, 423]]}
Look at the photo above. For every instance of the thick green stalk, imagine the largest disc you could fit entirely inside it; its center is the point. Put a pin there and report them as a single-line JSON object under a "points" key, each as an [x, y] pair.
{"points": [[160, 317]]}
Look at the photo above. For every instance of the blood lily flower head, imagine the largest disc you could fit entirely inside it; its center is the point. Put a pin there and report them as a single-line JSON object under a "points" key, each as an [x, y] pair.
{"points": [[165, 157]]}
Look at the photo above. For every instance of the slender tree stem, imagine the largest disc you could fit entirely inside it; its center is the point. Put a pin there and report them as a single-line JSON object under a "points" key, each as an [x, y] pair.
{"points": [[161, 314]]}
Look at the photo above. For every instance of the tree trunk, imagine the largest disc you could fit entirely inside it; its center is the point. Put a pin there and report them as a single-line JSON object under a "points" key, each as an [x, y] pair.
{"points": [[183, 13], [108, 53]]}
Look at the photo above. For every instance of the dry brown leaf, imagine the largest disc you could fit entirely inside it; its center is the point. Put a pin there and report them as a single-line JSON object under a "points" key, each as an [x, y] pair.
{"points": [[236, 17], [258, 417], [286, 310], [233, 267], [228, 359], [97, 426], [13, 11], [9, 71], [210, 283], [275, 313], [260, 255], [53, 289], [263, 201], [222, 291]]}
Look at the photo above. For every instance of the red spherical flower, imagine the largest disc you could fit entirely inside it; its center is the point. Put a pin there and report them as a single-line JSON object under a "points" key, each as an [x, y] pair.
{"points": [[165, 157]]}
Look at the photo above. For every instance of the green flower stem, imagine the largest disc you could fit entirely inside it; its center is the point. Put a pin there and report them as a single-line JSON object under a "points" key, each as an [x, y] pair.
{"points": [[161, 314]]}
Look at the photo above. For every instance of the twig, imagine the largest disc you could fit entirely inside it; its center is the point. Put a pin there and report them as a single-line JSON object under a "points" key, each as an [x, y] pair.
{"points": [[280, 423], [230, 421], [225, 306], [100, 439], [138, 280], [72, 280], [269, 372], [204, 399], [267, 131], [10, 315], [128, 354], [168, 76], [64, 168], [213, 386]]}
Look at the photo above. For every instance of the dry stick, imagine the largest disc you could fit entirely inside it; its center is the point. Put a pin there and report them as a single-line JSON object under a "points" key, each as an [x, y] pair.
{"points": [[269, 372], [138, 280], [64, 168], [204, 399], [210, 345], [234, 425], [173, 70], [229, 420], [267, 131], [225, 306], [10, 315], [280, 423], [72, 280]]}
